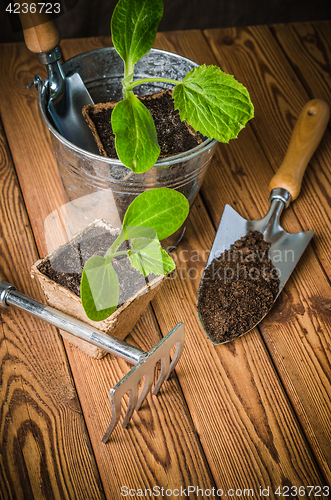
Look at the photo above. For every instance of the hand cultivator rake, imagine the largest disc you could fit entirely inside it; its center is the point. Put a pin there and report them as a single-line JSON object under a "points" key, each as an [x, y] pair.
{"points": [[144, 361]]}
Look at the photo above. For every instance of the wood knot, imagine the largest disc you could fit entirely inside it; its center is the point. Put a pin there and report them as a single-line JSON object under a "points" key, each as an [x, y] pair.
{"points": [[227, 40], [74, 405], [322, 305], [249, 44], [310, 39]]}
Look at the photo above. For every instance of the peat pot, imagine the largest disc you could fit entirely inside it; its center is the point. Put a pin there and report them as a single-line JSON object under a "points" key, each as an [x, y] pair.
{"points": [[105, 183], [136, 292]]}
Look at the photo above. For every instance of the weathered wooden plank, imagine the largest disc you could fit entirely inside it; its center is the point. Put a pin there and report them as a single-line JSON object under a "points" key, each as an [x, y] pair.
{"points": [[183, 462], [227, 181], [160, 446], [163, 447], [194, 46], [249, 442], [45, 449], [243, 182], [278, 95], [308, 48], [246, 425], [27, 135]]}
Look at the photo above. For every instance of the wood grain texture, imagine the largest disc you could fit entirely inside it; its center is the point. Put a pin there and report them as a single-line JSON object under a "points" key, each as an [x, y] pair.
{"points": [[164, 443], [228, 421], [288, 339], [308, 48], [247, 183], [239, 175], [278, 95], [233, 184], [231, 389], [27, 135], [39, 35], [161, 446], [45, 449]]}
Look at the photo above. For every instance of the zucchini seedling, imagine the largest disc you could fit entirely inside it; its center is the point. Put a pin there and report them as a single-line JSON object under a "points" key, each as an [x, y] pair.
{"points": [[153, 216], [209, 100]]}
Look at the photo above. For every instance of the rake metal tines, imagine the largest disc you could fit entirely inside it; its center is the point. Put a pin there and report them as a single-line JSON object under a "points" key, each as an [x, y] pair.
{"points": [[145, 368], [144, 362]]}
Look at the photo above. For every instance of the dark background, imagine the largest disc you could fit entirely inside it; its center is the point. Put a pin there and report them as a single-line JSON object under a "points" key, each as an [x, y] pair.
{"points": [[86, 18]]}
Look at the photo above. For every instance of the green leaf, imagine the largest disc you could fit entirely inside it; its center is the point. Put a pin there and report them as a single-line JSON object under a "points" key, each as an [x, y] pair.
{"points": [[99, 288], [146, 254], [134, 25], [154, 260], [162, 209], [213, 103], [135, 134], [168, 263]]}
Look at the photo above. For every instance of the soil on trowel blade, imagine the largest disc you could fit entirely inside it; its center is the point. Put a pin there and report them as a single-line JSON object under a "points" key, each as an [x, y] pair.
{"points": [[238, 288], [67, 264], [174, 136]]}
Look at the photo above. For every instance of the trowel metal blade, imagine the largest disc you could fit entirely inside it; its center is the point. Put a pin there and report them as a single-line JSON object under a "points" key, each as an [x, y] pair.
{"points": [[285, 249], [66, 113]]}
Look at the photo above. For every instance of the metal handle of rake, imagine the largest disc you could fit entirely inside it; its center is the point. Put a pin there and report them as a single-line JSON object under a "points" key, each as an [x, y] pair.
{"points": [[144, 361]]}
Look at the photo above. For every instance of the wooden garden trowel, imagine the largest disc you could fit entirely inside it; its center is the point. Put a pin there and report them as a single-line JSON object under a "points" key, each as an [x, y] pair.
{"points": [[67, 94], [285, 249]]}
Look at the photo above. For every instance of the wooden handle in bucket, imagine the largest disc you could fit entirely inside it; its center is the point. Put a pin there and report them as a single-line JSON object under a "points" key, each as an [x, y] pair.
{"points": [[307, 133], [40, 33]]}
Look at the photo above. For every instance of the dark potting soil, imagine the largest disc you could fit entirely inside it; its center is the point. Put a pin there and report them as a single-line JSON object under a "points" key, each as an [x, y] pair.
{"points": [[238, 289], [66, 266], [173, 135]]}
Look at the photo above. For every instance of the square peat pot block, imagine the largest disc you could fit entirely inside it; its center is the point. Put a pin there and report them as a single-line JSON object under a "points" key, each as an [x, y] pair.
{"points": [[59, 274], [166, 119]]}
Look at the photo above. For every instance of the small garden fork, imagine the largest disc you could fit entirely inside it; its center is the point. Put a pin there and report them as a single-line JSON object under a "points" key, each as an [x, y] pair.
{"points": [[144, 361]]}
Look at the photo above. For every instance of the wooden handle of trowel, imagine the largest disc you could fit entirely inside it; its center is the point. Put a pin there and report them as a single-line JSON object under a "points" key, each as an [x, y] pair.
{"points": [[307, 133], [40, 33]]}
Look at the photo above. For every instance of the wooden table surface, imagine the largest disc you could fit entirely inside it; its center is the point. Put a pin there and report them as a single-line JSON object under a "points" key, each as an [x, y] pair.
{"points": [[249, 418]]}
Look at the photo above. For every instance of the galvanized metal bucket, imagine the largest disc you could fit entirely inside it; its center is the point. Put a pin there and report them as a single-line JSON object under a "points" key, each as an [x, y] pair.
{"points": [[85, 176]]}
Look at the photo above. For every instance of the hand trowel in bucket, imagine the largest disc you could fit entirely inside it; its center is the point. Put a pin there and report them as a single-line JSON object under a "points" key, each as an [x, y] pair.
{"points": [[285, 249], [67, 94]]}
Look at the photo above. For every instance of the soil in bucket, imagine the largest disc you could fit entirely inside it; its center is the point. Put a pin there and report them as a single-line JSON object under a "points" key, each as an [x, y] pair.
{"points": [[238, 288], [174, 136]]}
